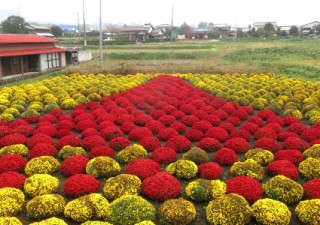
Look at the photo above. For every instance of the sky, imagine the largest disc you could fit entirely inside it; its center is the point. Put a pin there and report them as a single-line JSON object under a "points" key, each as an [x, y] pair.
{"points": [[233, 12]]}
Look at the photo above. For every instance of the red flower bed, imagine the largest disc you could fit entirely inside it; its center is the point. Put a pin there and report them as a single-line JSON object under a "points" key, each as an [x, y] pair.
{"points": [[105, 117], [189, 120], [150, 143], [42, 149], [106, 124], [80, 184], [164, 155], [50, 118], [4, 123], [209, 109], [250, 127], [57, 112], [167, 133], [65, 117], [161, 186], [194, 135], [101, 151], [218, 133], [89, 131], [297, 128], [73, 165], [238, 144], [179, 143], [294, 156], [111, 132], [245, 186], [283, 167], [285, 135], [63, 132], [128, 126], [19, 122], [265, 114], [49, 130], [312, 188], [142, 119], [71, 140], [12, 139], [200, 114], [44, 123], [155, 126], [5, 130], [241, 114], [256, 120], [178, 115], [228, 127], [267, 144], [209, 144], [65, 124], [225, 157], [92, 141], [221, 114], [168, 109], [188, 109], [202, 126], [12, 163], [248, 109], [288, 120], [12, 179], [210, 170], [32, 119], [39, 138], [213, 119], [311, 134], [83, 116], [179, 127], [228, 108], [157, 113], [276, 119], [167, 120], [25, 130], [295, 143], [143, 168], [235, 121], [139, 133], [123, 118], [119, 143], [275, 126], [265, 132], [84, 124], [160, 104], [240, 133]]}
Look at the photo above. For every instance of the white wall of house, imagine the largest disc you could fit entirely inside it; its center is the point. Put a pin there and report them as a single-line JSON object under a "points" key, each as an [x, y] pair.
{"points": [[50, 61], [43, 62], [84, 56]]}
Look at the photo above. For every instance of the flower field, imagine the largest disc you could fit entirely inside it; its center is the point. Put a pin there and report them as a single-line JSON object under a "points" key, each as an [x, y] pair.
{"points": [[160, 149]]}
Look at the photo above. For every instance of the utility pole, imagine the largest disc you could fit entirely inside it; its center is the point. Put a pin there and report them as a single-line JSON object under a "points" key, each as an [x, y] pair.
{"points": [[171, 34], [78, 27], [84, 26], [100, 34]]}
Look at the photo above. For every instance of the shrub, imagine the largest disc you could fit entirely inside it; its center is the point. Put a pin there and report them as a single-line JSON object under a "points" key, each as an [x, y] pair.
{"points": [[25, 130], [127, 127], [103, 166], [88, 132], [45, 206], [42, 149], [177, 211], [313, 152], [283, 189], [308, 211], [68, 151], [130, 209], [18, 149], [265, 132], [111, 132], [167, 133], [11, 201], [196, 155], [10, 220], [39, 138], [261, 156], [139, 133], [150, 143], [5, 130], [183, 169], [249, 127], [239, 145], [218, 133], [265, 114], [241, 134], [285, 135], [73, 165], [101, 151], [285, 168], [123, 184], [50, 221], [42, 165], [80, 184], [13, 139], [92, 141], [12, 163], [225, 157], [271, 212], [155, 126], [12, 179], [92, 206], [49, 130], [161, 186], [209, 144], [310, 135], [267, 143], [164, 155], [297, 128], [248, 168], [71, 140], [295, 143], [202, 190], [119, 143], [143, 168], [309, 168], [194, 135], [179, 144], [202, 126], [167, 120], [312, 188], [131, 152], [41, 184], [245, 186], [234, 208], [210, 170], [294, 156]]}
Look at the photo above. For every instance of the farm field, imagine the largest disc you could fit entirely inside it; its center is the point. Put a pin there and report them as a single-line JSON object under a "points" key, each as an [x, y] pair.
{"points": [[161, 149]]}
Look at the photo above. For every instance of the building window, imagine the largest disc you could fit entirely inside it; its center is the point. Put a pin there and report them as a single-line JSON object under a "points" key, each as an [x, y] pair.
{"points": [[53, 60]]}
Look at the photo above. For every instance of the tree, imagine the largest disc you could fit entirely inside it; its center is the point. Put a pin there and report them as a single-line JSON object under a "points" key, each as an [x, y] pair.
{"points": [[186, 30], [294, 31], [14, 25], [56, 31], [268, 30]]}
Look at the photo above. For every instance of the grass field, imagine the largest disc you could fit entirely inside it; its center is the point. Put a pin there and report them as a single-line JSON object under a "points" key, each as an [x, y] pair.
{"points": [[294, 58]]}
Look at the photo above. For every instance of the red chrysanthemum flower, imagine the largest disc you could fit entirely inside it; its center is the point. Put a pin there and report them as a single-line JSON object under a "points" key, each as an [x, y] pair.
{"points": [[225, 157], [119, 143], [155, 126], [188, 109], [168, 109], [194, 135], [105, 117], [240, 133], [288, 120], [12, 179], [167, 120], [57, 112], [25, 130], [50, 118], [265, 132], [245, 186], [167, 133], [63, 132], [218, 133], [209, 144], [12, 163], [42, 149], [296, 143], [106, 124], [179, 127], [123, 118], [111, 132], [297, 128], [84, 124], [294, 156], [65, 124], [285, 135], [79, 109], [209, 109], [228, 127], [179, 143], [312, 189], [265, 114], [213, 119], [143, 168], [49, 130], [157, 113], [5, 130], [161, 186], [13, 139], [178, 115], [285, 168], [256, 120], [89, 131], [142, 119], [139, 133], [150, 143], [311, 134], [128, 126], [241, 114], [18, 123], [250, 127], [39, 138], [101, 151], [65, 117], [228, 108], [275, 126], [189, 120], [276, 119], [32, 119], [202, 126], [238, 144], [164, 155], [248, 109], [73, 165], [221, 114], [71, 140], [268, 144], [93, 141], [83, 116], [235, 121], [200, 114], [80, 184], [210, 170]]}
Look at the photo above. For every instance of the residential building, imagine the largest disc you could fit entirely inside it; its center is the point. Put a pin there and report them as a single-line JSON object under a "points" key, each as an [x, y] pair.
{"points": [[260, 25], [306, 28], [223, 29], [23, 54], [285, 28], [39, 30], [135, 33]]}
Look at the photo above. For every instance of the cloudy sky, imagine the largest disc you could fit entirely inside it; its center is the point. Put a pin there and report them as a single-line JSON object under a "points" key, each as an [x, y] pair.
{"points": [[234, 12]]}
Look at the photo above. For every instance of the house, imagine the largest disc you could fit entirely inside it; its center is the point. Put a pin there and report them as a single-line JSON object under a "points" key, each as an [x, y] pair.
{"points": [[260, 25], [23, 54], [200, 33], [223, 29], [156, 33], [306, 28], [135, 33], [285, 28], [39, 30]]}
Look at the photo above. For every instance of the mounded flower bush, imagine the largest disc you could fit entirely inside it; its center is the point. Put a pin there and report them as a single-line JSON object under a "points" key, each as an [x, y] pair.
{"points": [[313, 152], [143, 168], [101, 151], [12, 179], [210, 170], [45, 206], [209, 144], [294, 156], [308, 211], [18, 149], [73, 165], [248, 168], [177, 211], [196, 155], [164, 155], [225, 157], [130, 209], [181, 168], [271, 212], [309, 168], [283, 167], [12, 163], [123, 184], [234, 208], [11, 201], [238, 144], [10, 220], [202, 190], [41, 184], [312, 188], [80, 184], [42, 164], [50, 221], [103, 166], [119, 143], [179, 144], [68, 151], [259, 155], [283, 189], [150, 143]]}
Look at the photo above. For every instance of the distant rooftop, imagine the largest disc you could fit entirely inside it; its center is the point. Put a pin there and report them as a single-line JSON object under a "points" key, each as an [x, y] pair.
{"points": [[24, 38]]}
